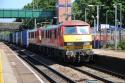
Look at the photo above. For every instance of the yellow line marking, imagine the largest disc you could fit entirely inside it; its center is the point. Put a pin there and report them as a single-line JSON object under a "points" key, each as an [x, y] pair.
{"points": [[1, 72]]}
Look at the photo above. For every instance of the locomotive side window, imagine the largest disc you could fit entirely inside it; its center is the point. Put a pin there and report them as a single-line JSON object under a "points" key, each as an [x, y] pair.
{"points": [[42, 34], [55, 35], [59, 31], [29, 35], [34, 34], [50, 33], [46, 34]]}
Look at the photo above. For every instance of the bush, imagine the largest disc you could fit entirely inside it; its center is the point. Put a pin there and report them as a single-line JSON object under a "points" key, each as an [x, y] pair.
{"points": [[122, 45], [110, 45]]}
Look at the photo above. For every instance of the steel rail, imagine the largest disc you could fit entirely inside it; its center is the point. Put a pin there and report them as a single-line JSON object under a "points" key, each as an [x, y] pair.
{"points": [[25, 57], [88, 72], [107, 71]]}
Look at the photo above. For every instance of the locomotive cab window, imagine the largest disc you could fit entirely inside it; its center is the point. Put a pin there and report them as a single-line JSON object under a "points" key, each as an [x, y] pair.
{"points": [[82, 29], [76, 30], [70, 30]]}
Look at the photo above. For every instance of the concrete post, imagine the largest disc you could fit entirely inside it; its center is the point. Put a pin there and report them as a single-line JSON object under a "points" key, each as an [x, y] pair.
{"points": [[116, 24]]}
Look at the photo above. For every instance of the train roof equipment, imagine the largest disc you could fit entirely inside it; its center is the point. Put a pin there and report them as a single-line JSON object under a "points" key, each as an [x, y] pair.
{"points": [[75, 22]]}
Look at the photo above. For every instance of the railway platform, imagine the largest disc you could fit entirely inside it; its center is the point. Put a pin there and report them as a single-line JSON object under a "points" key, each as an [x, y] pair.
{"points": [[13, 69], [111, 59], [110, 53]]}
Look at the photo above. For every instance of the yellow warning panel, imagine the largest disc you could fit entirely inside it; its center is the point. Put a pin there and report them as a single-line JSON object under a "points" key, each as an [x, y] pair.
{"points": [[77, 38], [1, 69]]}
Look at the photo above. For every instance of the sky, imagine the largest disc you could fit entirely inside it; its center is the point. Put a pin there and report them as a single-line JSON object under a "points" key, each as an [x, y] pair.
{"points": [[13, 4]]}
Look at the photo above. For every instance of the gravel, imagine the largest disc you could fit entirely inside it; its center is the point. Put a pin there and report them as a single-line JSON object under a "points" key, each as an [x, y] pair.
{"points": [[73, 74]]}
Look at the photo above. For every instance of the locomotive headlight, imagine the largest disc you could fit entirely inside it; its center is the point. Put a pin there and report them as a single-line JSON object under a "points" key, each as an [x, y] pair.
{"points": [[69, 53], [88, 52], [86, 43], [69, 44]]}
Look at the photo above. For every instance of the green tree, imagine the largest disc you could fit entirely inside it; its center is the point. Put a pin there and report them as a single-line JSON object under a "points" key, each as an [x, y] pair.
{"points": [[38, 4], [41, 4], [79, 6]]}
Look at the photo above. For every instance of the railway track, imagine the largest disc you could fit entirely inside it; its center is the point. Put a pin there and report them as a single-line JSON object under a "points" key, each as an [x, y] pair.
{"points": [[96, 72], [99, 74], [106, 71], [49, 73]]}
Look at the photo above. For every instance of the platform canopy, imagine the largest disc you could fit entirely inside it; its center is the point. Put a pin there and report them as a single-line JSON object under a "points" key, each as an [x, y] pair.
{"points": [[24, 13]]}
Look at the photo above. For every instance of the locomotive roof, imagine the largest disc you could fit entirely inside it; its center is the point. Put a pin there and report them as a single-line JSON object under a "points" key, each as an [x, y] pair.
{"points": [[74, 22], [51, 27], [66, 23], [32, 30]]}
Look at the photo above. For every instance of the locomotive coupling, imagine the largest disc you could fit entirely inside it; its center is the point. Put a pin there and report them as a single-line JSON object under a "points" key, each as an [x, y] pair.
{"points": [[79, 52], [79, 55]]}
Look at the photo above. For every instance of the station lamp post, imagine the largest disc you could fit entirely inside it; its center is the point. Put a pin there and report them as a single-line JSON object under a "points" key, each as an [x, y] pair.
{"points": [[35, 18], [86, 14], [107, 15], [116, 26], [97, 17], [107, 22], [94, 30], [120, 21], [74, 16]]}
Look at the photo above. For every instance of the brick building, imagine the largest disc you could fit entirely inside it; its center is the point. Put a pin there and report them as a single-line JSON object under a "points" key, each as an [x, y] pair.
{"points": [[63, 10]]}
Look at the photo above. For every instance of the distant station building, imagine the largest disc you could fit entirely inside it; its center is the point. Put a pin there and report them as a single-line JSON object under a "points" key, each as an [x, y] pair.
{"points": [[106, 33]]}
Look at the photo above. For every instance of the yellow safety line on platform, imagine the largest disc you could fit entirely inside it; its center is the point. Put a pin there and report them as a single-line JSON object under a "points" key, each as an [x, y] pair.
{"points": [[1, 71]]}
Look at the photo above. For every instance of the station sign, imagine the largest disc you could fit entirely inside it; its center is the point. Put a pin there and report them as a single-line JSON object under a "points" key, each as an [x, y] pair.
{"points": [[104, 26]]}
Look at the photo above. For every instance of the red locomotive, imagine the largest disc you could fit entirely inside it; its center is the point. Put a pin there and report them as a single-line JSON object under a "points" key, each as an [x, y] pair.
{"points": [[70, 41]]}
